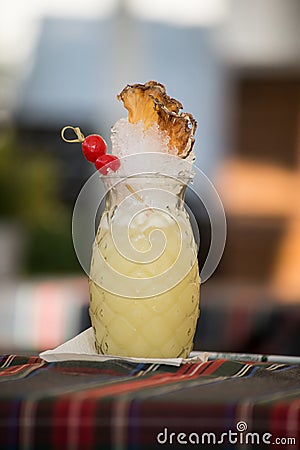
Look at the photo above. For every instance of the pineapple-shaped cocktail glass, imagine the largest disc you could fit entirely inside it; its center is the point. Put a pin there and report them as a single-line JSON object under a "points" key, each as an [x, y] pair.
{"points": [[144, 279]]}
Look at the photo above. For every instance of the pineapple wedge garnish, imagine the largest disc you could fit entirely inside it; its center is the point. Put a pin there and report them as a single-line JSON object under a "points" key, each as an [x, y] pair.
{"points": [[150, 104]]}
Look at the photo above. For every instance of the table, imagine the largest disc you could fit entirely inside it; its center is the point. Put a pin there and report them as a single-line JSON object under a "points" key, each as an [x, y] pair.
{"points": [[121, 405]]}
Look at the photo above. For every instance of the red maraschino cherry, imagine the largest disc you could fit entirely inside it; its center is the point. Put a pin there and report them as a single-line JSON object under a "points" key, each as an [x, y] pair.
{"points": [[94, 150], [93, 146], [107, 162]]}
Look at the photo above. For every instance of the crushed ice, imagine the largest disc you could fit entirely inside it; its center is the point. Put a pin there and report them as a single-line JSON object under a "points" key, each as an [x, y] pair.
{"points": [[128, 139], [142, 151]]}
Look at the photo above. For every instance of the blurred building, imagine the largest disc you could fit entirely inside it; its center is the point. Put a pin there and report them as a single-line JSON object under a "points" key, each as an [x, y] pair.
{"points": [[259, 180], [79, 67]]}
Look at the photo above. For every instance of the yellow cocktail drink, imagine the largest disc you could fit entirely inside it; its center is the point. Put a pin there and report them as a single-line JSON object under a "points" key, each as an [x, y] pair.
{"points": [[160, 325], [144, 277]]}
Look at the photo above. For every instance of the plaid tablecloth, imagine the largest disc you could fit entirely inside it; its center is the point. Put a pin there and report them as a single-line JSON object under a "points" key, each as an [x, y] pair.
{"points": [[119, 405]]}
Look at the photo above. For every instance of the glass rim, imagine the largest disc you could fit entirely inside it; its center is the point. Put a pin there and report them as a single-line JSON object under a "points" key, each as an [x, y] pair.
{"points": [[150, 175]]}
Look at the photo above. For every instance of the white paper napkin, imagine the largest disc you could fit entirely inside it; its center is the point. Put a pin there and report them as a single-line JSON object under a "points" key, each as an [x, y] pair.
{"points": [[82, 348]]}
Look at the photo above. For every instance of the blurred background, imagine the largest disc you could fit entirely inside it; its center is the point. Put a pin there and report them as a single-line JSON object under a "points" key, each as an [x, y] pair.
{"points": [[235, 65]]}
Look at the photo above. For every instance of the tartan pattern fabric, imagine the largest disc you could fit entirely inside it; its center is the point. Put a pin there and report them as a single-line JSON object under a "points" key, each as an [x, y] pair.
{"points": [[120, 405]]}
